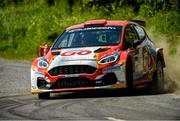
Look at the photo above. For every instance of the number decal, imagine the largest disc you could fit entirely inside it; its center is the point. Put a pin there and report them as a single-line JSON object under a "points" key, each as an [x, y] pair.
{"points": [[78, 52], [69, 53]]}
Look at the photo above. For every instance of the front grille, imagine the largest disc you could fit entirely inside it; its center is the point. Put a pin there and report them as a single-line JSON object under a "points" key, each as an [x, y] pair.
{"points": [[72, 69]]}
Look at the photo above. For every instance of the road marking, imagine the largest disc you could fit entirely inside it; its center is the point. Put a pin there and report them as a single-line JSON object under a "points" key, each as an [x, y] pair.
{"points": [[114, 119]]}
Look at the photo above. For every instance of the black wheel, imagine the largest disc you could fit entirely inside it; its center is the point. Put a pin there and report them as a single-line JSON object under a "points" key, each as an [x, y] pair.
{"points": [[157, 84], [160, 72], [44, 95], [129, 75]]}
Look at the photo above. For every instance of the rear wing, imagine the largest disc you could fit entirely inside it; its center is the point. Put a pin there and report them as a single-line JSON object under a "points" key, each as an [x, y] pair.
{"points": [[140, 22]]}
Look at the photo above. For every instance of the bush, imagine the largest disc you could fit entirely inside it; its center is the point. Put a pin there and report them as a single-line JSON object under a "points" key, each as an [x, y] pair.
{"points": [[26, 24]]}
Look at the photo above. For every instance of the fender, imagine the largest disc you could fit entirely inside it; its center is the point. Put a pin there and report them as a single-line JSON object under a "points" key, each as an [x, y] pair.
{"points": [[35, 66], [160, 55], [35, 62], [125, 55]]}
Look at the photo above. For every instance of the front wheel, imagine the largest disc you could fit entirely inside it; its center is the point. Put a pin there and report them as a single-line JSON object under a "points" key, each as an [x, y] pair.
{"points": [[129, 75], [44, 95]]}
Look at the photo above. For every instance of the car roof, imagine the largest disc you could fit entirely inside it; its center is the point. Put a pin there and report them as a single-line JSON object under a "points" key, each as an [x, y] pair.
{"points": [[102, 22]]}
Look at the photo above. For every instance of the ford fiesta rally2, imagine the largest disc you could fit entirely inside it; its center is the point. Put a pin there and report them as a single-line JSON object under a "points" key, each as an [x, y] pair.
{"points": [[98, 54]]}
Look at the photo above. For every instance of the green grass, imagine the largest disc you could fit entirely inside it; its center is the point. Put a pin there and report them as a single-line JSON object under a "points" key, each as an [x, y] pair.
{"points": [[25, 26]]}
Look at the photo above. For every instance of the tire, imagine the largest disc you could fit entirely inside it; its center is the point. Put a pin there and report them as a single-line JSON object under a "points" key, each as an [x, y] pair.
{"points": [[157, 84], [160, 72], [44, 95], [129, 75]]}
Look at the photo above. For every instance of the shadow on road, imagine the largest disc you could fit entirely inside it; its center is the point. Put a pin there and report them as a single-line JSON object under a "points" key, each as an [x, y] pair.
{"points": [[104, 93]]}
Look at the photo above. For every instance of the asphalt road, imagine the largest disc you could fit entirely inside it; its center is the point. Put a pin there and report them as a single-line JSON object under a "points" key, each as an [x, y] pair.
{"points": [[16, 101]]}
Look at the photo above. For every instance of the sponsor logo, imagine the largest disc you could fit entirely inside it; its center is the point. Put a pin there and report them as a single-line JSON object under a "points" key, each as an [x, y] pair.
{"points": [[111, 69], [76, 52], [71, 75], [94, 28], [39, 73]]}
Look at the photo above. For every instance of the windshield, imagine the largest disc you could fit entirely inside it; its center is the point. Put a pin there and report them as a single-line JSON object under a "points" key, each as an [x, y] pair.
{"points": [[89, 37]]}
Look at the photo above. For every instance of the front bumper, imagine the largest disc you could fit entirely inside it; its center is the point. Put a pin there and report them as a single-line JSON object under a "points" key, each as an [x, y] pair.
{"points": [[114, 86], [106, 78]]}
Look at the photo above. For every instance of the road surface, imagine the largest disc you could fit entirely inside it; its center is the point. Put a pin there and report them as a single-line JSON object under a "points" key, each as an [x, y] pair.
{"points": [[16, 101]]}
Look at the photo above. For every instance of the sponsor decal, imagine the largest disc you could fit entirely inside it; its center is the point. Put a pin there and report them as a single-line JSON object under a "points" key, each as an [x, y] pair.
{"points": [[94, 28], [99, 82], [39, 73], [111, 69], [76, 52], [72, 75], [48, 85]]}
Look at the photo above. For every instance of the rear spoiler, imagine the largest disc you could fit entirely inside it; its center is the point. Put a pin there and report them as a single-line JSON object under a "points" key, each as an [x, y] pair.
{"points": [[140, 22]]}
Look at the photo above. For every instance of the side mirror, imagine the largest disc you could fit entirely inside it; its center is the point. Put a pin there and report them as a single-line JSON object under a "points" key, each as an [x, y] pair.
{"points": [[43, 49]]}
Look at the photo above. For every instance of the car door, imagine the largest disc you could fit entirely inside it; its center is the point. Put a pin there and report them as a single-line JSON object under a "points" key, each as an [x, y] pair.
{"points": [[131, 41], [144, 49]]}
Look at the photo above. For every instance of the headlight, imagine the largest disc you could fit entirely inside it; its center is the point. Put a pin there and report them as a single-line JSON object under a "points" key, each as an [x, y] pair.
{"points": [[42, 63], [109, 59]]}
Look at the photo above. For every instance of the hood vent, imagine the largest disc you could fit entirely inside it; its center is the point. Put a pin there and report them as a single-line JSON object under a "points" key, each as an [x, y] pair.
{"points": [[99, 50], [55, 53]]}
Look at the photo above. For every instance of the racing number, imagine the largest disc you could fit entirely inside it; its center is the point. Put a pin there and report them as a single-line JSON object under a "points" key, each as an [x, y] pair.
{"points": [[78, 52]]}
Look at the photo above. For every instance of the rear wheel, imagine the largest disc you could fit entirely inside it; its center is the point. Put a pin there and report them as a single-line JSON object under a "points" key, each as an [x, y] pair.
{"points": [[157, 84], [160, 72], [44, 95]]}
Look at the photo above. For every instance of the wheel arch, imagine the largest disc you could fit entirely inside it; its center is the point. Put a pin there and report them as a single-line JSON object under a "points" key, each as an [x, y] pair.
{"points": [[160, 56], [127, 56]]}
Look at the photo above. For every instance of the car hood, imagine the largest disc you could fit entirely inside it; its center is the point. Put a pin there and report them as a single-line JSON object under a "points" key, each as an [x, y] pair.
{"points": [[78, 56]]}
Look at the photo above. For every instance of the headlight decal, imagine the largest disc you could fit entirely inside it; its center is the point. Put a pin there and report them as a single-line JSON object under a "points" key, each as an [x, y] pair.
{"points": [[42, 63], [109, 59]]}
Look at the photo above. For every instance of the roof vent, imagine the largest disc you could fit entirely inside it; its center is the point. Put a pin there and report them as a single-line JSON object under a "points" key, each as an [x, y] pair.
{"points": [[95, 23]]}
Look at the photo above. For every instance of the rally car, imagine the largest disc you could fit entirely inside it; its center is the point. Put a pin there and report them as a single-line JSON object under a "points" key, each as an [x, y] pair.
{"points": [[98, 54]]}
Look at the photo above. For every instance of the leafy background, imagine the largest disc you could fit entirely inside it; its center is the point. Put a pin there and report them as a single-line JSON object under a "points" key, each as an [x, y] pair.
{"points": [[24, 24]]}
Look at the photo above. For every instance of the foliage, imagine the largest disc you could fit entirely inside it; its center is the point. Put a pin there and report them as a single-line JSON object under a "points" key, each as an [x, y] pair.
{"points": [[24, 24]]}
